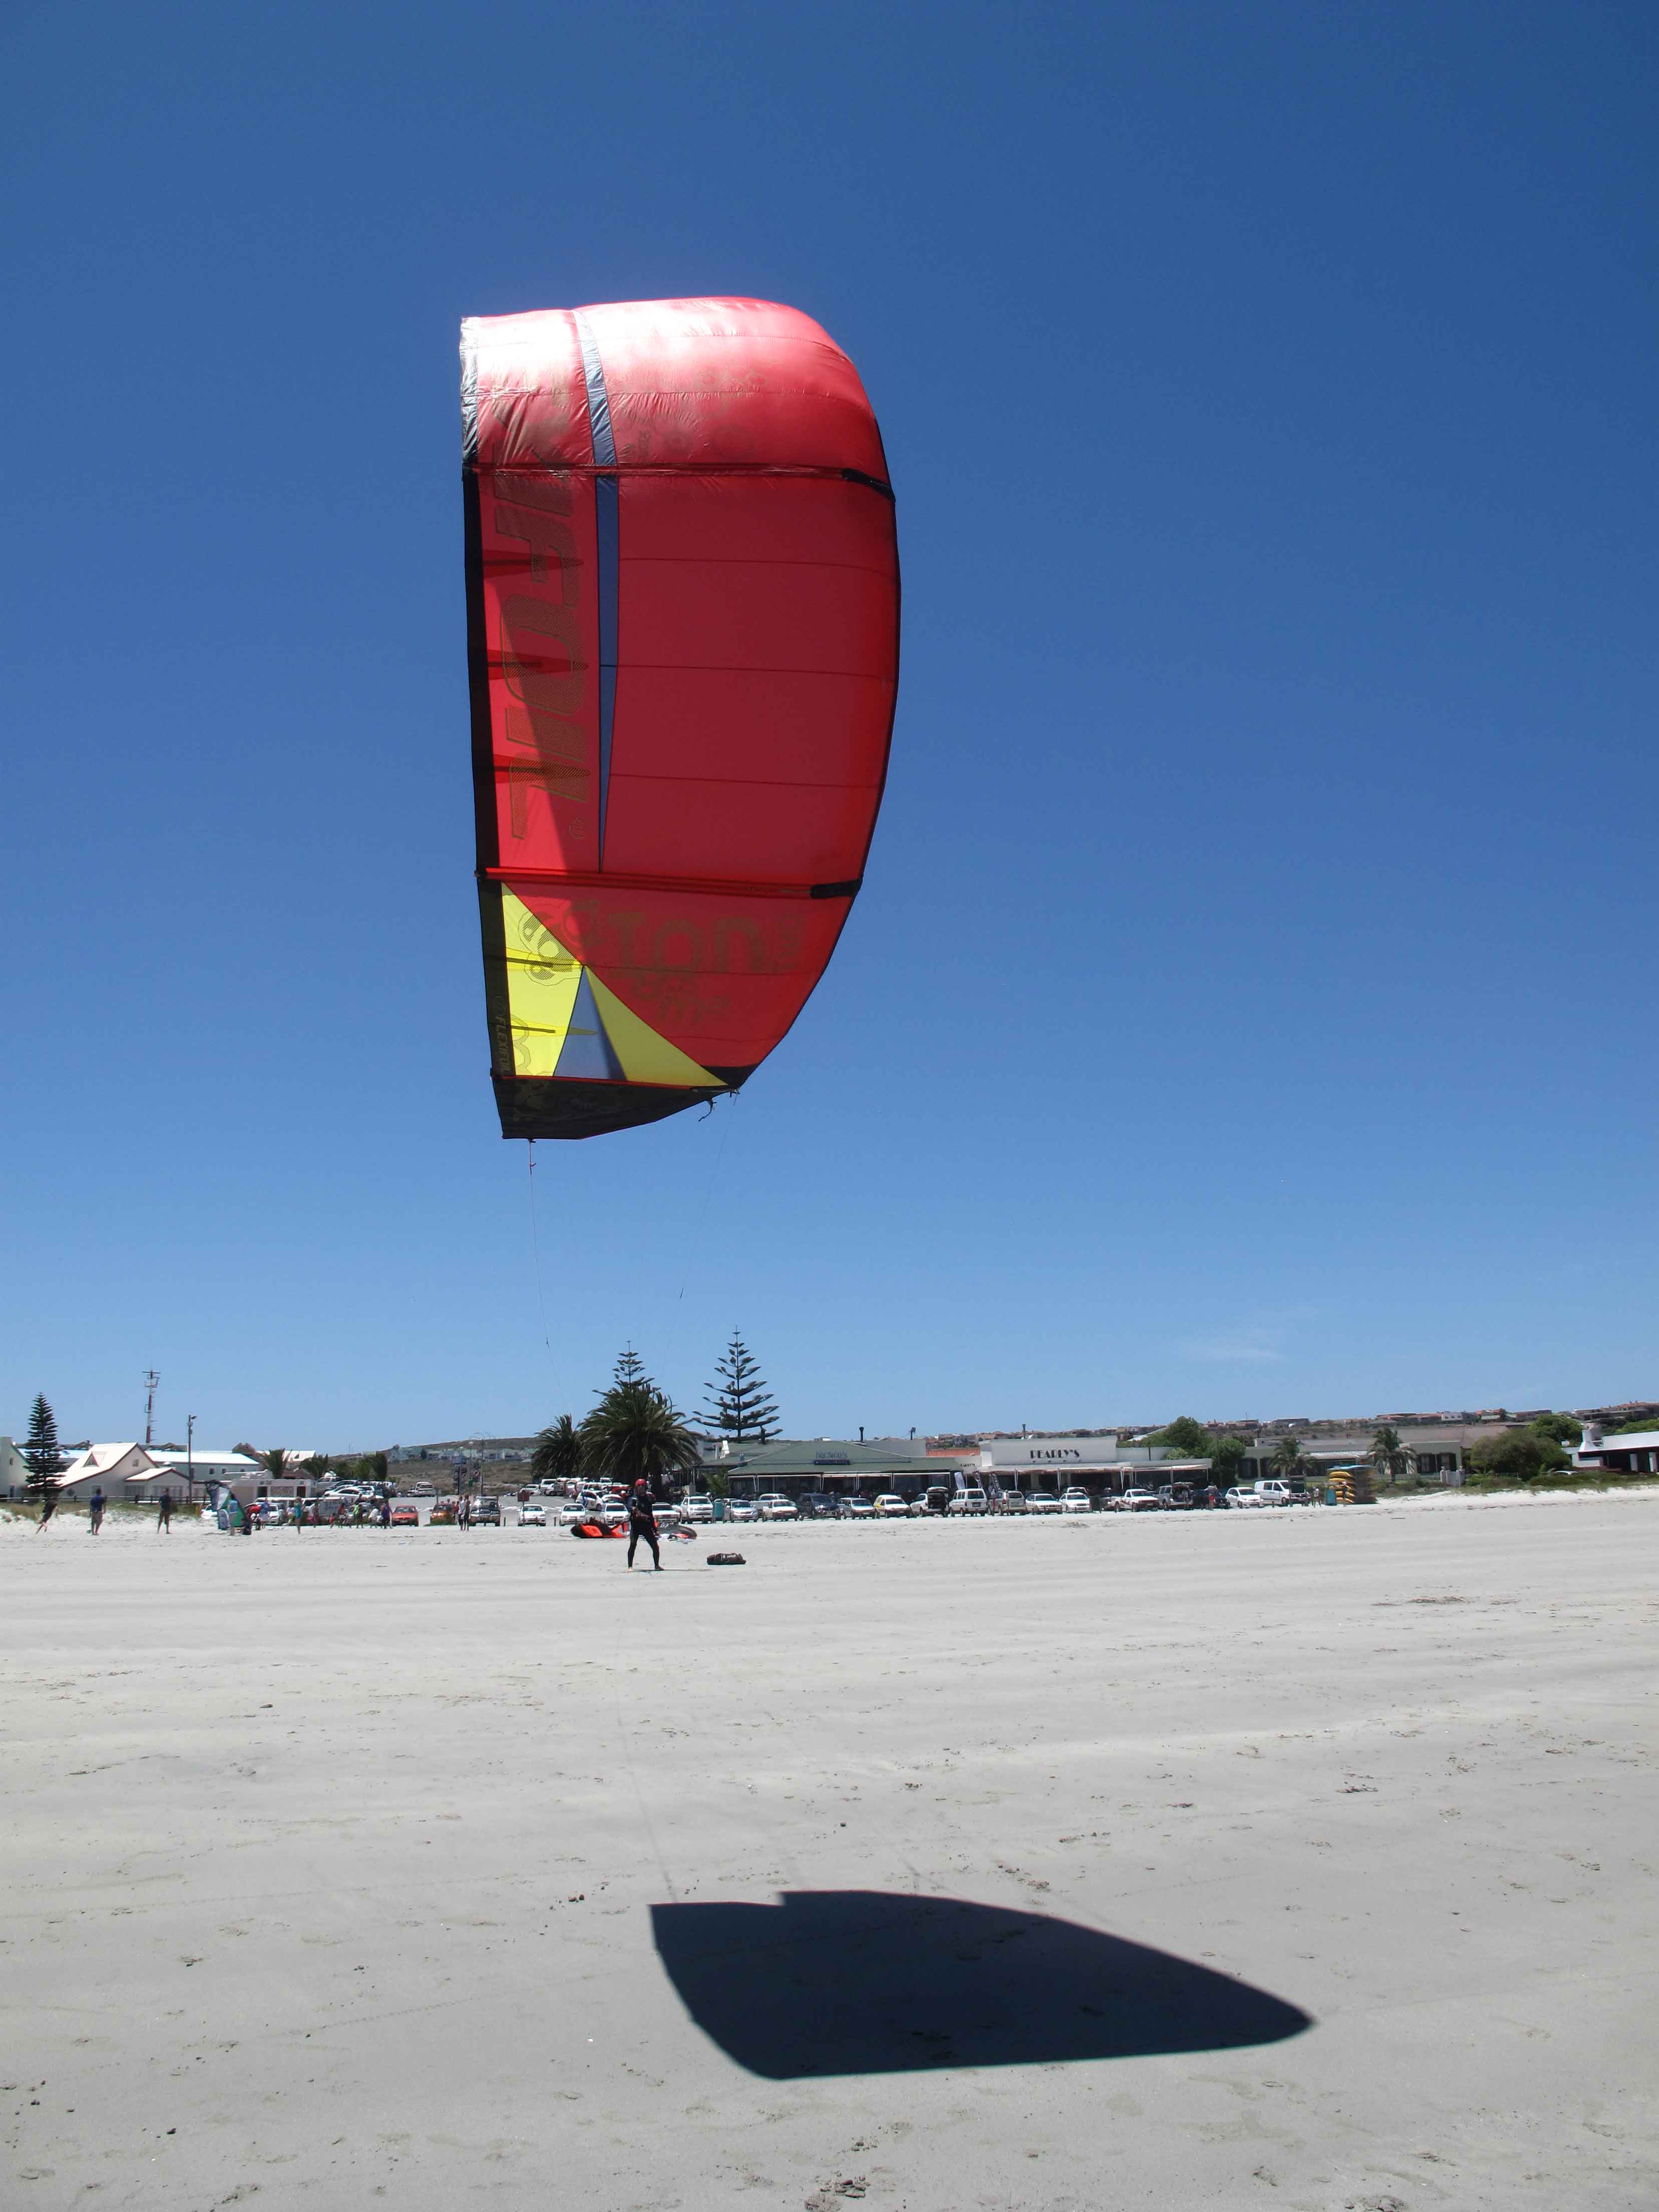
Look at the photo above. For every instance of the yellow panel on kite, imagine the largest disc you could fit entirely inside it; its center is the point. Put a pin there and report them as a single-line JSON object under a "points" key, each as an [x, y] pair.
{"points": [[541, 982], [646, 1057]]}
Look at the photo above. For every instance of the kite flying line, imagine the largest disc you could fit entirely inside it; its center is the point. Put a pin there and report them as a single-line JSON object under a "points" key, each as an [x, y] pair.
{"points": [[536, 1247], [696, 1234]]}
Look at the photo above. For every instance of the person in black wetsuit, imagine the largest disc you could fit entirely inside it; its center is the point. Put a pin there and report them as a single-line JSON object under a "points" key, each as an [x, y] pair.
{"points": [[641, 1522]]}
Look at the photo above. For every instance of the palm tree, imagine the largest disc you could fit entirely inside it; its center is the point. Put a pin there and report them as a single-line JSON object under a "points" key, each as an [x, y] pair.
{"points": [[274, 1463], [558, 1454], [634, 1431], [1289, 1458], [1389, 1456]]}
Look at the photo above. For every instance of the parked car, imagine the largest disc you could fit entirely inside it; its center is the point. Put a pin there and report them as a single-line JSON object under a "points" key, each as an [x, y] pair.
{"points": [[937, 1497], [423, 1490], [442, 1515], [532, 1516], [742, 1509], [1042, 1501], [1175, 1496], [1015, 1501], [1274, 1492], [1076, 1501], [776, 1507], [818, 1505], [1138, 1501], [970, 1501], [697, 1507], [571, 1514], [858, 1509], [486, 1512], [405, 1516], [1244, 1499], [889, 1503]]}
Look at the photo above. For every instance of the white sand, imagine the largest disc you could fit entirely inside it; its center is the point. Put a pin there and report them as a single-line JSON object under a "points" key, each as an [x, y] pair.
{"points": [[335, 1789]]}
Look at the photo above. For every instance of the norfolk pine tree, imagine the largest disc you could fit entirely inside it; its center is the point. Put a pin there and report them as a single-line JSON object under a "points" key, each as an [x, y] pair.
{"points": [[40, 1451], [741, 1405]]}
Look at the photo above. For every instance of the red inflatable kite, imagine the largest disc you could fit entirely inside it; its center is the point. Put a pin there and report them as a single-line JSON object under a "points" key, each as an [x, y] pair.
{"points": [[683, 630]]}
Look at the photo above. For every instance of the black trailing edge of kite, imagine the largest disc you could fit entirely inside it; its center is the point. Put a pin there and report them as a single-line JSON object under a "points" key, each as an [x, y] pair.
{"points": [[543, 1106]]}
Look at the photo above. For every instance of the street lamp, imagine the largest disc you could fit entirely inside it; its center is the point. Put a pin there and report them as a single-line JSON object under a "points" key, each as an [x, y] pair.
{"points": [[190, 1458]]}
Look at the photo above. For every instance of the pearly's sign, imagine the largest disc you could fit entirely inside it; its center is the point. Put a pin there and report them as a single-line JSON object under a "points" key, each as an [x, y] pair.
{"points": [[1059, 1453]]}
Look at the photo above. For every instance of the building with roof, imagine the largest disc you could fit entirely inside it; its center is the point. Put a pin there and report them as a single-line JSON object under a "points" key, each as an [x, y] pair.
{"points": [[1635, 1453], [201, 1466], [14, 1470], [144, 1472], [1097, 1461], [843, 1468], [1439, 1451], [113, 1468]]}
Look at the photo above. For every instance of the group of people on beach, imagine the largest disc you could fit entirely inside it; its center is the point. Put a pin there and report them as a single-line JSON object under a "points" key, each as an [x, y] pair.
{"points": [[642, 1516], [96, 1505]]}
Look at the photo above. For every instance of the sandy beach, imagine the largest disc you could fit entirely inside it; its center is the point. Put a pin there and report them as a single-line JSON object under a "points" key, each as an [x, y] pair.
{"points": [[1301, 1859]]}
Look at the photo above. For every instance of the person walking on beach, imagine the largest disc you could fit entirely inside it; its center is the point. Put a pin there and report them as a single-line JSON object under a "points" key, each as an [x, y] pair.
{"points": [[96, 1504], [48, 1506], [642, 1521], [164, 1514]]}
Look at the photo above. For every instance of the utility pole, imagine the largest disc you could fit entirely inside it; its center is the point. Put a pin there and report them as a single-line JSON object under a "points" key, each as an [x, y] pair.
{"points": [[190, 1458], [151, 1379]]}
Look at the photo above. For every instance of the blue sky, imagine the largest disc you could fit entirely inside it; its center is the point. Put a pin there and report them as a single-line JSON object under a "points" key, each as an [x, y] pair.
{"points": [[1249, 1009]]}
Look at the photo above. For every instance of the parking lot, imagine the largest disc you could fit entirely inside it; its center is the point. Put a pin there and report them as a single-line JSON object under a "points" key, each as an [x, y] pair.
{"points": [[544, 1511]]}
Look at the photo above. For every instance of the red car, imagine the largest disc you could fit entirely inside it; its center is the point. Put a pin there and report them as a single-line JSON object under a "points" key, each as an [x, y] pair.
{"points": [[405, 1516]]}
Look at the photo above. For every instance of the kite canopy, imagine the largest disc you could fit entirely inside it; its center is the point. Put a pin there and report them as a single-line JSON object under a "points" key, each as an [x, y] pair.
{"points": [[682, 631]]}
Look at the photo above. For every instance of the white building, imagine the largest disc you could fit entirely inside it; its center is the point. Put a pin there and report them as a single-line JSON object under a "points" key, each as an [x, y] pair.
{"points": [[1043, 1455], [134, 1471], [197, 1470], [14, 1470], [1095, 1462], [116, 1469], [1635, 1453]]}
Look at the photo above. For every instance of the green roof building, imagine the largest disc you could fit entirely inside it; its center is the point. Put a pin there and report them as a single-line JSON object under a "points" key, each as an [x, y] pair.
{"points": [[825, 1463]]}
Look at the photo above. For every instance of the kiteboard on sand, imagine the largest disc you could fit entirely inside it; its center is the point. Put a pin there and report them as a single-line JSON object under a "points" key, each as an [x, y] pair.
{"points": [[598, 1529]]}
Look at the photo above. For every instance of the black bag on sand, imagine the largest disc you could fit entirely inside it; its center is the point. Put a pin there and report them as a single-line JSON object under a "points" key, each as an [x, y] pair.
{"points": [[726, 1559]]}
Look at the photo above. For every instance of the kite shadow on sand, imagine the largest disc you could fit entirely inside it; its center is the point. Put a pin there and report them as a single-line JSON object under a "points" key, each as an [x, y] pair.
{"points": [[852, 1981]]}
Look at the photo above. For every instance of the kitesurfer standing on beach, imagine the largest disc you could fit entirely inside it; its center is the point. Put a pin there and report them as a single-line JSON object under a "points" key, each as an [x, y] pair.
{"points": [[641, 1521]]}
